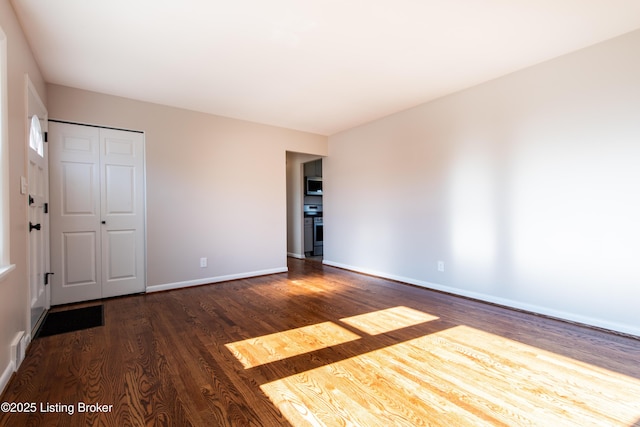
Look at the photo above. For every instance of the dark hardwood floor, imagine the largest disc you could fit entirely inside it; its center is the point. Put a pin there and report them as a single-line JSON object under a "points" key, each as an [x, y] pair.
{"points": [[323, 346]]}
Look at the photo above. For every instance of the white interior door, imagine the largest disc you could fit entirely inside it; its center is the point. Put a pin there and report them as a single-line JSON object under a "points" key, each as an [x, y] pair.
{"points": [[122, 205], [75, 212], [38, 223], [97, 212]]}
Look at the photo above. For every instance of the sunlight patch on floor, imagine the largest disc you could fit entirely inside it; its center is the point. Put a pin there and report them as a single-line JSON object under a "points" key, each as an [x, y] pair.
{"points": [[281, 345], [308, 287], [460, 376], [390, 319]]}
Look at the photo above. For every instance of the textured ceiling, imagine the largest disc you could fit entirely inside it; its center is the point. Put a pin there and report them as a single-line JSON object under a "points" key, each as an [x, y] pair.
{"points": [[314, 65]]}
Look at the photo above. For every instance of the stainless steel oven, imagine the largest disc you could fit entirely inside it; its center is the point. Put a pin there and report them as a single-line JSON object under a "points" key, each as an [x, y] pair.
{"points": [[313, 219], [318, 236]]}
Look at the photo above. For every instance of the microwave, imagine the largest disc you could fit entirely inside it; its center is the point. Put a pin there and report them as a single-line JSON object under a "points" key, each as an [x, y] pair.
{"points": [[313, 186]]}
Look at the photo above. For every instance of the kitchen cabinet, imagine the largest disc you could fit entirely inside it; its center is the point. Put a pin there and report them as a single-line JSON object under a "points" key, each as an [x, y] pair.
{"points": [[313, 168]]}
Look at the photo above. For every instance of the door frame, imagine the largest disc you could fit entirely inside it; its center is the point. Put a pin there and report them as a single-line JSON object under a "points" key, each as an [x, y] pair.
{"points": [[295, 194], [35, 106]]}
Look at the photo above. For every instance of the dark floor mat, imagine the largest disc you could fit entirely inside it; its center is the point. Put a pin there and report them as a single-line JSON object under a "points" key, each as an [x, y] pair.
{"points": [[61, 322]]}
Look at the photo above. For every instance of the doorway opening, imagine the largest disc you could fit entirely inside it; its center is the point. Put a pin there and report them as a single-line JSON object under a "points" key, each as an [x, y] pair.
{"points": [[305, 192]]}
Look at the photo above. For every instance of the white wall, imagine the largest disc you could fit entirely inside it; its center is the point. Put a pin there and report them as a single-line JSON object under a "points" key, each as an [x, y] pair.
{"points": [[14, 289], [527, 187], [216, 187]]}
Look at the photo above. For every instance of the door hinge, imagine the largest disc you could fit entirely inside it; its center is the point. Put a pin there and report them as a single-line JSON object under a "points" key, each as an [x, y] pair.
{"points": [[46, 137], [46, 208], [31, 200], [46, 278]]}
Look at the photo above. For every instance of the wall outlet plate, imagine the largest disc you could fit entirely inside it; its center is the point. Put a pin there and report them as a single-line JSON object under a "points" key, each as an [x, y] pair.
{"points": [[203, 262], [440, 265]]}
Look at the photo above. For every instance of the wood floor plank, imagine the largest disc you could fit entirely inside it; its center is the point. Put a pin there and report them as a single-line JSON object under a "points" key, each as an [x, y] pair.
{"points": [[320, 346]]}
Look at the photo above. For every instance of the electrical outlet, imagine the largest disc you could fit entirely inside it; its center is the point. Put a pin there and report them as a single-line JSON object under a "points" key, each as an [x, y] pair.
{"points": [[440, 265], [203, 262]]}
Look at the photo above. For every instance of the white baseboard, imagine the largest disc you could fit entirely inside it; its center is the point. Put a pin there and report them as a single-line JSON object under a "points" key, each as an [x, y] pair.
{"points": [[545, 311], [6, 376], [293, 255], [206, 281]]}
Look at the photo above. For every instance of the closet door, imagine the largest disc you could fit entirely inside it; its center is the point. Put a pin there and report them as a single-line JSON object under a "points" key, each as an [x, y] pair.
{"points": [[122, 205], [97, 212], [74, 162]]}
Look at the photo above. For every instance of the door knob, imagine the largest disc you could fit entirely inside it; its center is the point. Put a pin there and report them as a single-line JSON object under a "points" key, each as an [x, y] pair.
{"points": [[33, 226]]}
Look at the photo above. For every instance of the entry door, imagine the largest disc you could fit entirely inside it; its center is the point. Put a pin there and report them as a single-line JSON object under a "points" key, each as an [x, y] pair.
{"points": [[97, 212], [38, 186]]}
